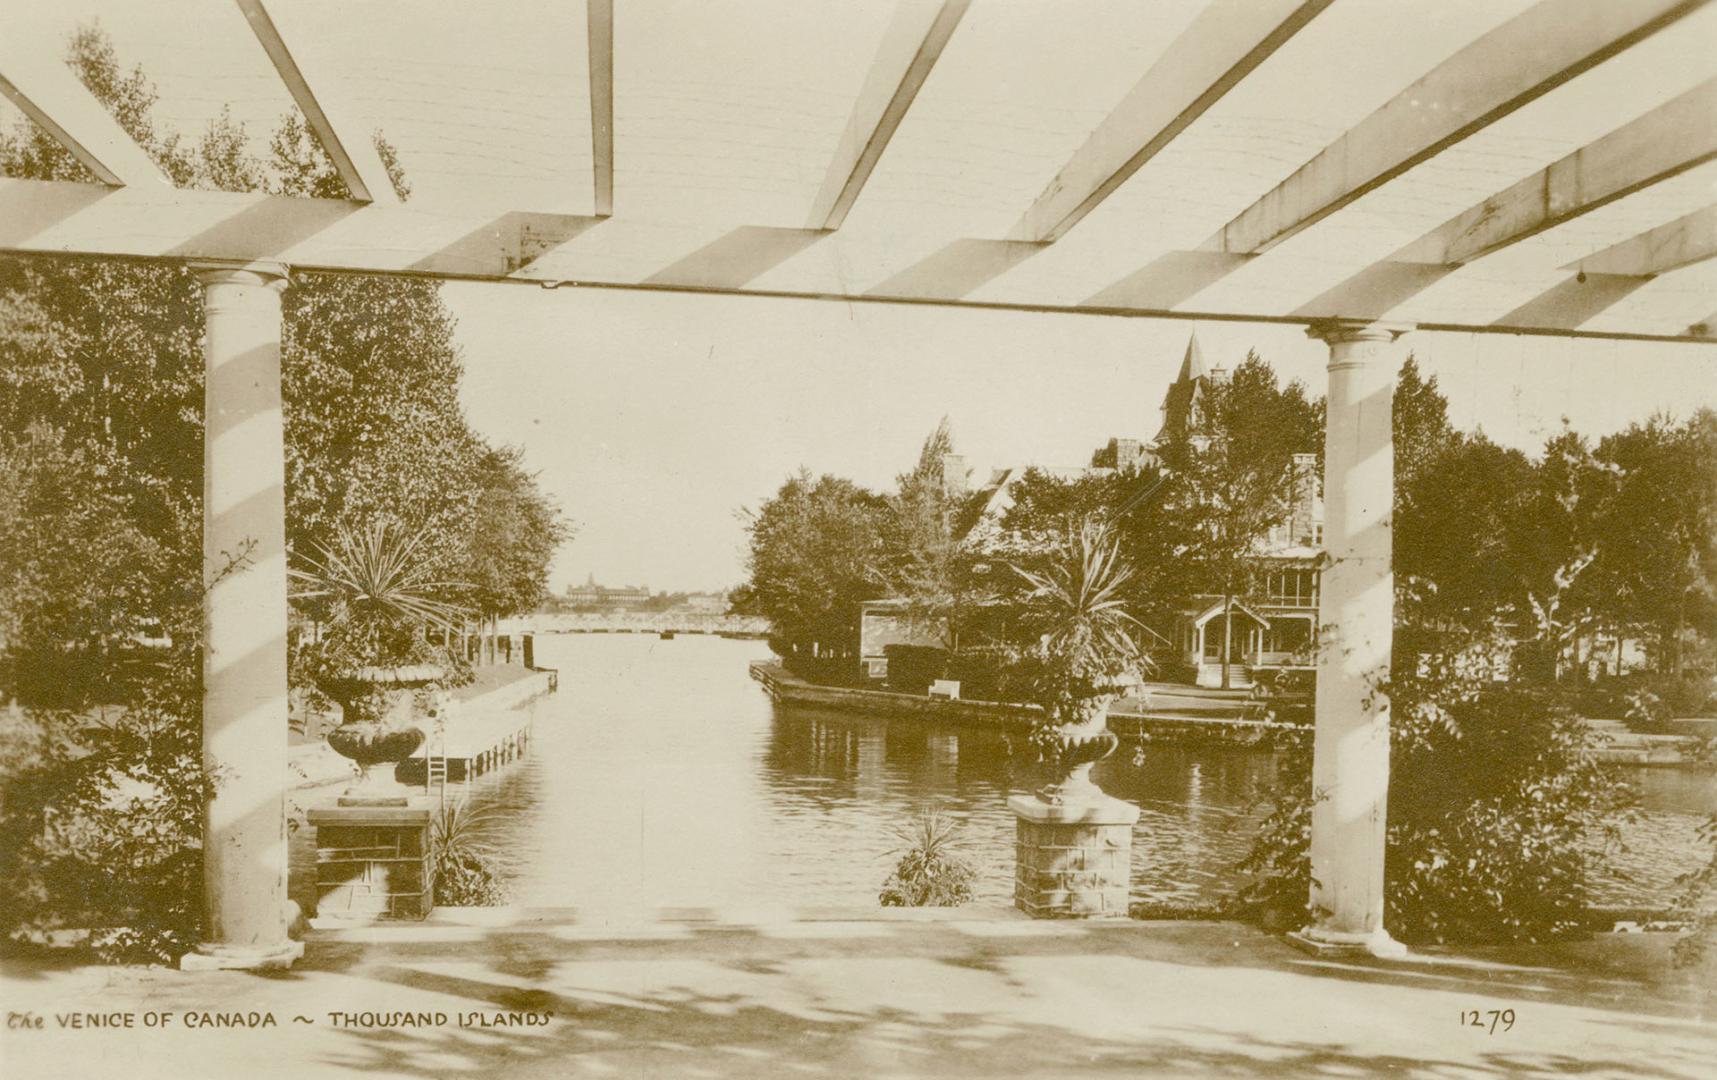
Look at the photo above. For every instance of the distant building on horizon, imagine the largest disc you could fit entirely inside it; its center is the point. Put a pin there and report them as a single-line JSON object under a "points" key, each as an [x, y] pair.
{"points": [[590, 594], [707, 603]]}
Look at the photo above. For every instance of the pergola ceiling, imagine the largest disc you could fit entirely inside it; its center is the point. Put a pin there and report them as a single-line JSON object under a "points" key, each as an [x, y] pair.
{"points": [[1500, 165]]}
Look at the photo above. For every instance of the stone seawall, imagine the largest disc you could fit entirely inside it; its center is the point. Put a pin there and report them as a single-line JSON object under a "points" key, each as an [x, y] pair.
{"points": [[1126, 719]]}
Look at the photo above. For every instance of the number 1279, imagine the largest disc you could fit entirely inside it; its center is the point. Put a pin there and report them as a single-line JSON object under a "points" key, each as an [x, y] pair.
{"points": [[1475, 1018]]}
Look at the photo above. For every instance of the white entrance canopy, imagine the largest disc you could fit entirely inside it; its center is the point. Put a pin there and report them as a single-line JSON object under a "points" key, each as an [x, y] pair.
{"points": [[1360, 167], [1512, 166]]}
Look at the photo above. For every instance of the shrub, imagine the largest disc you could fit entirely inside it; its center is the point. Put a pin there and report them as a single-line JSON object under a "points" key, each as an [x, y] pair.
{"points": [[103, 827], [1697, 887], [1494, 807], [912, 668], [1652, 699], [1279, 861], [465, 874], [930, 873], [978, 671]]}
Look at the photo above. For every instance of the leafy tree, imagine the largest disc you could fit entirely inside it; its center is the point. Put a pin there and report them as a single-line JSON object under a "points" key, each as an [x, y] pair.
{"points": [[101, 402], [814, 547], [1658, 543], [1556, 537], [1452, 538], [1621, 537], [78, 577], [1422, 430], [925, 560], [516, 534]]}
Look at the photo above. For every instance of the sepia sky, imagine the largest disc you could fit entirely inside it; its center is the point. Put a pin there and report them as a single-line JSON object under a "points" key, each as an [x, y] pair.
{"points": [[653, 417]]}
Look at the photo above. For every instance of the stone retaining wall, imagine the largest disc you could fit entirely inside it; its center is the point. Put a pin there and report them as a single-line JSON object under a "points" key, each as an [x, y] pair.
{"points": [[783, 686]]}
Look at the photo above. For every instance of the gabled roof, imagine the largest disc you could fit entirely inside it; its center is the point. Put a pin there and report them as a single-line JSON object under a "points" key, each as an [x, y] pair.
{"points": [[1216, 609]]}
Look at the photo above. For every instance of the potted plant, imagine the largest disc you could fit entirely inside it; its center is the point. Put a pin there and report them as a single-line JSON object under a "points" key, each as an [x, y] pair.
{"points": [[375, 602], [1078, 651]]}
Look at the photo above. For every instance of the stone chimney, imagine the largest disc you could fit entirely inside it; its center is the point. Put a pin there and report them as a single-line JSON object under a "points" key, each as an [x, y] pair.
{"points": [[954, 473], [1302, 526]]}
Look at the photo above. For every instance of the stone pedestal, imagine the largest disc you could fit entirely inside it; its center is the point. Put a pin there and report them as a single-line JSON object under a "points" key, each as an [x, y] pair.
{"points": [[1072, 861], [374, 862]]}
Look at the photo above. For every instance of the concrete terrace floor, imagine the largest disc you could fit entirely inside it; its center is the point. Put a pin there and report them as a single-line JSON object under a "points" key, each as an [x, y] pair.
{"points": [[920, 995]]}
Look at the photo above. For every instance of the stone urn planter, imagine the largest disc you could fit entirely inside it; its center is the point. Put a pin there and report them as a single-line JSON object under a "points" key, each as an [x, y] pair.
{"points": [[377, 729], [1071, 747]]}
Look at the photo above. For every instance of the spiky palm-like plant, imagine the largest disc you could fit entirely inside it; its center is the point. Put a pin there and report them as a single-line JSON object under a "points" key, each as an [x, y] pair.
{"points": [[1081, 646], [464, 860], [931, 872], [378, 597], [1078, 651]]}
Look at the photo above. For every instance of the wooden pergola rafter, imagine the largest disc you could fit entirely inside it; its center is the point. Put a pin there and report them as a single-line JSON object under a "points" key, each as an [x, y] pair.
{"points": [[137, 214]]}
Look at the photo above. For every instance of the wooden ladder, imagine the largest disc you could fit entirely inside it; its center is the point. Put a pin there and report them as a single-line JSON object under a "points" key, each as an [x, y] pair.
{"points": [[435, 765]]}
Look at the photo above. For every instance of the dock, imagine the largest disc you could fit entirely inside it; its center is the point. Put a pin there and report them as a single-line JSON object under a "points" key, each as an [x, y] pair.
{"points": [[485, 734], [1167, 715]]}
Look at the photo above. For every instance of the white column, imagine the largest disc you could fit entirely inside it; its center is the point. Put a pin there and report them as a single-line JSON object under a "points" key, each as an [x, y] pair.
{"points": [[244, 621], [1356, 611]]}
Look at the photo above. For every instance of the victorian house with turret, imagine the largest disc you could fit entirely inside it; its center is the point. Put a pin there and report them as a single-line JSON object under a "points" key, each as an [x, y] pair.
{"points": [[1272, 622]]}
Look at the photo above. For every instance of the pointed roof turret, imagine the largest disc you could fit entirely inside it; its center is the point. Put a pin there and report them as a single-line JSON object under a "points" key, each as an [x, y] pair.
{"points": [[1181, 397], [1192, 366]]}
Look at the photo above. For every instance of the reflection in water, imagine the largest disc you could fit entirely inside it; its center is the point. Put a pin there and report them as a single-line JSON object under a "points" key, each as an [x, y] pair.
{"points": [[660, 776]]}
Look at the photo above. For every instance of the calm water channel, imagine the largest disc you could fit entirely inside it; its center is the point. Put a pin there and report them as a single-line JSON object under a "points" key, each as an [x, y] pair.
{"points": [[661, 775]]}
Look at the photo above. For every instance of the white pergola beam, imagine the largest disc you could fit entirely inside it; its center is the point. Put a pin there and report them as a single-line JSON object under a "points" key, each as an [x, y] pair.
{"points": [[1224, 44], [916, 35], [1572, 303], [57, 218], [352, 149], [1667, 141], [1503, 70], [1663, 143], [1687, 240], [46, 91], [600, 43], [60, 218]]}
